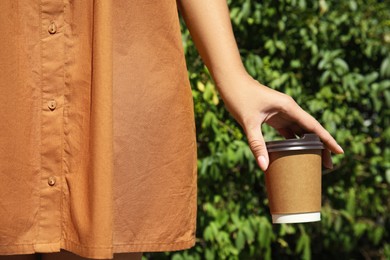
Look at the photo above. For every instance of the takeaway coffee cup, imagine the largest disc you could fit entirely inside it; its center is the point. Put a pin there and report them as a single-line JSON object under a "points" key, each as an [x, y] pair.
{"points": [[293, 179]]}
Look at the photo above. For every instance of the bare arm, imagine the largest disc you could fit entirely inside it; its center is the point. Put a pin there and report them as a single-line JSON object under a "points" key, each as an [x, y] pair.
{"points": [[250, 102], [210, 27]]}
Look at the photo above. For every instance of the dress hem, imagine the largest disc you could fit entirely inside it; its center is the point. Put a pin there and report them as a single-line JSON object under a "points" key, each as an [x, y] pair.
{"points": [[98, 252]]}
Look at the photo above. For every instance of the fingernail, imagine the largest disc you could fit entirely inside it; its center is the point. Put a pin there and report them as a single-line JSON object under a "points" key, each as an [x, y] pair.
{"points": [[262, 162], [341, 149]]}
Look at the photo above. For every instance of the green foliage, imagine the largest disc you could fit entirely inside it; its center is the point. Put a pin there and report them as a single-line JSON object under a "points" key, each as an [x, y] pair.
{"points": [[333, 58]]}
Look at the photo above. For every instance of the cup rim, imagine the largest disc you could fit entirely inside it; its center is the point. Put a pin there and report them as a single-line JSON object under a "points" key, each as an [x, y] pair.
{"points": [[309, 141]]}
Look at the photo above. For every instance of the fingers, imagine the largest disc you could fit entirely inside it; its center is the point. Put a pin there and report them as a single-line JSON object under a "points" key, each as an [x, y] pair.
{"points": [[257, 145], [310, 124]]}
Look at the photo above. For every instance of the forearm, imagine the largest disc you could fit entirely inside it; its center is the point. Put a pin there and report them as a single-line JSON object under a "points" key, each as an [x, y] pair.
{"points": [[210, 27]]}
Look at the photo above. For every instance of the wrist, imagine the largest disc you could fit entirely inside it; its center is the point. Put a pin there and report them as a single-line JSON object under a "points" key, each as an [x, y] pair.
{"points": [[227, 79]]}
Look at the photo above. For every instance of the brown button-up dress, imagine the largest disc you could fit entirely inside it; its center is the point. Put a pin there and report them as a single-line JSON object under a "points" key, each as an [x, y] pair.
{"points": [[97, 132]]}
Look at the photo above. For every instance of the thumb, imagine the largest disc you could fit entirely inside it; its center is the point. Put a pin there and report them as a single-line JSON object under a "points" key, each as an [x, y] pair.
{"points": [[257, 145]]}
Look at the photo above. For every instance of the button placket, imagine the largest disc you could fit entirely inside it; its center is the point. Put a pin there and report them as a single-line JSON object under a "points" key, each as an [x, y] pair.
{"points": [[52, 81]]}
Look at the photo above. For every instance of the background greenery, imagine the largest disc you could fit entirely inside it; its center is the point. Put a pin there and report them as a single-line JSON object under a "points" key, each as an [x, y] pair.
{"points": [[333, 58]]}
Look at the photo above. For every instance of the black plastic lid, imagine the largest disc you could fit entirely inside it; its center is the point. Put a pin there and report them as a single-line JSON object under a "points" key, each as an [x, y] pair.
{"points": [[307, 142]]}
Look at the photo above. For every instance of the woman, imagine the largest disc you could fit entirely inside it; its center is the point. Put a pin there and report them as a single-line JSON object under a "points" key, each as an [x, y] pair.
{"points": [[98, 157]]}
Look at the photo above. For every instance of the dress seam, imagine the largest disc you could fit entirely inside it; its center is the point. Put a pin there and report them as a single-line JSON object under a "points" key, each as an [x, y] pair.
{"points": [[87, 246], [147, 243], [153, 243], [62, 172], [38, 214], [84, 246], [18, 245]]}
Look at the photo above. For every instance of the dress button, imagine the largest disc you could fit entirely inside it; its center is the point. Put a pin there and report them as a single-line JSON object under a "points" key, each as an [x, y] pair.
{"points": [[52, 28], [52, 104], [51, 181]]}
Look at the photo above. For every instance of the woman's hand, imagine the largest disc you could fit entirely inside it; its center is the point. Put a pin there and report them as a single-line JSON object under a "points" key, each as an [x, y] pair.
{"points": [[253, 104]]}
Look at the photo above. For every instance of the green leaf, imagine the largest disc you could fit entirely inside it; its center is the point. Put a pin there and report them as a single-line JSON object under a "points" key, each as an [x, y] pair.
{"points": [[351, 202], [385, 68], [177, 257], [240, 240], [303, 246], [388, 175], [341, 64], [359, 229], [209, 254], [371, 77]]}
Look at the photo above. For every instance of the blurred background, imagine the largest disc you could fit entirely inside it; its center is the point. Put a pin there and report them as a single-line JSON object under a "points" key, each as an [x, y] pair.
{"points": [[333, 58]]}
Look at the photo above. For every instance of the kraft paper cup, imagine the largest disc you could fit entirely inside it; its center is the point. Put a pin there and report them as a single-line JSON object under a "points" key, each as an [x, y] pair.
{"points": [[293, 179]]}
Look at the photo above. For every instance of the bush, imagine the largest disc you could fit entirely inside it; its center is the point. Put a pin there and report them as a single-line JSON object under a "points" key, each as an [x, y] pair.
{"points": [[333, 58]]}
